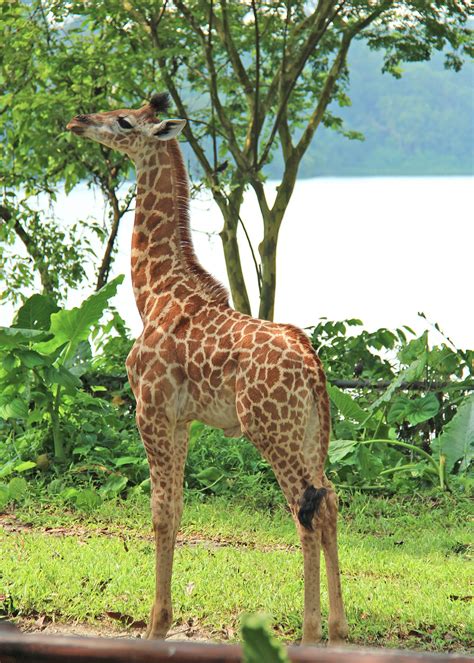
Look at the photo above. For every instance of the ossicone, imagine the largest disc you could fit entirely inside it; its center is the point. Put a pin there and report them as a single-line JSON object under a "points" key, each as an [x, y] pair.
{"points": [[160, 102]]}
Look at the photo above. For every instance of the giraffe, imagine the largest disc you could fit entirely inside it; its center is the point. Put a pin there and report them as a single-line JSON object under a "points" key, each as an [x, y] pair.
{"points": [[198, 358]]}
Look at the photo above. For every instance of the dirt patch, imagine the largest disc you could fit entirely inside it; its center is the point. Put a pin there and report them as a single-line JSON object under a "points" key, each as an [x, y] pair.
{"points": [[9, 523], [108, 629]]}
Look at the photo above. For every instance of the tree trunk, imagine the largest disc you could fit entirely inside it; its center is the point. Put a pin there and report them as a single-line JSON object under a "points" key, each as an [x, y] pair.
{"points": [[230, 209], [104, 269], [267, 249]]}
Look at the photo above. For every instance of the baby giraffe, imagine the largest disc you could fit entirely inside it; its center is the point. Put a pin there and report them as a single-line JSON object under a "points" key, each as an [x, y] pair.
{"points": [[198, 358]]}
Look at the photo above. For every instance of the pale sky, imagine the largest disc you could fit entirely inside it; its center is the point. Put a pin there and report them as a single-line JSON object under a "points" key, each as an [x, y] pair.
{"points": [[378, 249]]}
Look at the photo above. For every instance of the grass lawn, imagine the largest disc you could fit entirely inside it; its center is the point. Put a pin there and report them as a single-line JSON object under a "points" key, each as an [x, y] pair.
{"points": [[405, 567]]}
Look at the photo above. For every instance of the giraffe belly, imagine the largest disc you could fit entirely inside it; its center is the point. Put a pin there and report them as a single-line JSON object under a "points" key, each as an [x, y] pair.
{"points": [[214, 407]]}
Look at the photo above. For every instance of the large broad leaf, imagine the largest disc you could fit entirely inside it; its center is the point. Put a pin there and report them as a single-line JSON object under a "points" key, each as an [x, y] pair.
{"points": [[13, 409], [346, 405], [113, 486], [456, 442], [32, 359], [12, 337], [413, 349], [413, 372], [74, 326], [423, 408], [209, 476], [63, 377], [339, 449], [36, 313], [413, 410]]}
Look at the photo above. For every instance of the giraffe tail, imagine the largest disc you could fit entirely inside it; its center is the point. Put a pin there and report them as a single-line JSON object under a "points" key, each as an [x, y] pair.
{"points": [[309, 505], [313, 497]]}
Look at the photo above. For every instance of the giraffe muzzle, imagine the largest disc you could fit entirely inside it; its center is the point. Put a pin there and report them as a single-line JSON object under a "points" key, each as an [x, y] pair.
{"points": [[78, 124]]}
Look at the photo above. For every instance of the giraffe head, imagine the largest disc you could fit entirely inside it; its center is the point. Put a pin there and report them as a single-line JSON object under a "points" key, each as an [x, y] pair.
{"points": [[134, 131]]}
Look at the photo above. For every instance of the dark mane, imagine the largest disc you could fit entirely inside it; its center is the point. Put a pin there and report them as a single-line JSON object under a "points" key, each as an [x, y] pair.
{"points": [[209, 284], [160, 102]]}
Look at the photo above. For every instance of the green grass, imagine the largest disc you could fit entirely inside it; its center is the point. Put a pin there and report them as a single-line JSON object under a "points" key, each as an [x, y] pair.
{"points": [[404, 563]]}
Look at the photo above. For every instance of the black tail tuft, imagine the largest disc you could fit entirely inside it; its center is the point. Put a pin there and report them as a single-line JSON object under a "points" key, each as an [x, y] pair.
{"points": [[309, 505]]}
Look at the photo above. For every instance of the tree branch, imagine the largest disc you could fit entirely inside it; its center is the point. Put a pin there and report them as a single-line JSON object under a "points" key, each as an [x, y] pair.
{"points": [[31, 248], [289, 78], [213, 88], [225, 35], [256, 114]]}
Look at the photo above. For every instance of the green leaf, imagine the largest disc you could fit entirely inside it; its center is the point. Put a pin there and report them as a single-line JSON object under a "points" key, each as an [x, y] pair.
{"points": [[17, 487], [14, 409], [14, 337], [413, 349], [7, 469], [4, 495], [456, 442], [346, 405], [31, 359], [338, 449], [398, 410], [259, 644], [370, 463], [87, 499], [69, 494], [413, 410], [195, 430], [113, 486], [74, 325], [209, 476], [9, 361], [413, 372], [128, 460], [36, 313], [26, 465], [62, 376], [421, 409]]}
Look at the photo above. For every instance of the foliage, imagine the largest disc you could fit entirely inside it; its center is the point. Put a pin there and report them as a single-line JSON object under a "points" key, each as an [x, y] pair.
{"points": [[43, 362], [254, 80], [259, 644], [391, 114], [50, 71], [65, 418], [399, 433]]}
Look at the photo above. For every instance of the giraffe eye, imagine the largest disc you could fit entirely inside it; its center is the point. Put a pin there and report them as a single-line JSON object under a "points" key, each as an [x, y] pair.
{"points": [[124, 123]]}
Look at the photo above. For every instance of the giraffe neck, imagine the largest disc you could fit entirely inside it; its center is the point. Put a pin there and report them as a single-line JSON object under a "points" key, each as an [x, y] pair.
{"points": [[163, 258]]}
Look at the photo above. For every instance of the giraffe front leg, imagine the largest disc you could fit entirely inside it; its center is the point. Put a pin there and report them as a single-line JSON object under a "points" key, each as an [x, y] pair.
{"points": [[166, 472], [164, 530]]}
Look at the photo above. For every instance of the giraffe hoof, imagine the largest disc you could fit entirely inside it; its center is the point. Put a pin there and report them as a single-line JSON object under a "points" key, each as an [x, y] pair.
{"points": [[154, 635], [311, 636], [338, 633]]}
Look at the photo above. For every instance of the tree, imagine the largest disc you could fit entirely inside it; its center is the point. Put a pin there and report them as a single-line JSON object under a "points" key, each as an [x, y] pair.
{"points": [[253, 77], [50, 71]]}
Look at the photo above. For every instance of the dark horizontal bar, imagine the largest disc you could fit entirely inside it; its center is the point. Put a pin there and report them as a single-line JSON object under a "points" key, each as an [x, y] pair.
{"points": [[416, 385], [117, 382], [16, 647]]}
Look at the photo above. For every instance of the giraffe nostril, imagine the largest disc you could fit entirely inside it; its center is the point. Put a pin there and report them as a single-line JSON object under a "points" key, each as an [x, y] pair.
{"points": [[82, 118]]}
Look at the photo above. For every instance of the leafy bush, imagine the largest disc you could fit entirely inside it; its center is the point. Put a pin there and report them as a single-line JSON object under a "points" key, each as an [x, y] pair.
{"points": [[386, 436], [66, 419]]}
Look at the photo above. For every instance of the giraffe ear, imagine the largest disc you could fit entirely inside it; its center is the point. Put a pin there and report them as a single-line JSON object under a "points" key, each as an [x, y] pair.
{"points": [[169, 129]]}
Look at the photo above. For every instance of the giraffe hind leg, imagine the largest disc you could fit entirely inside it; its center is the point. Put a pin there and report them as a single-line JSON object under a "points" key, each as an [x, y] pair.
{"points": [[338, 628]]}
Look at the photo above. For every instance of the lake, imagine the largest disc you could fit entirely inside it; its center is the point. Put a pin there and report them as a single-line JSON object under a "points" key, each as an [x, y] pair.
{"points": [[378, 249]]}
